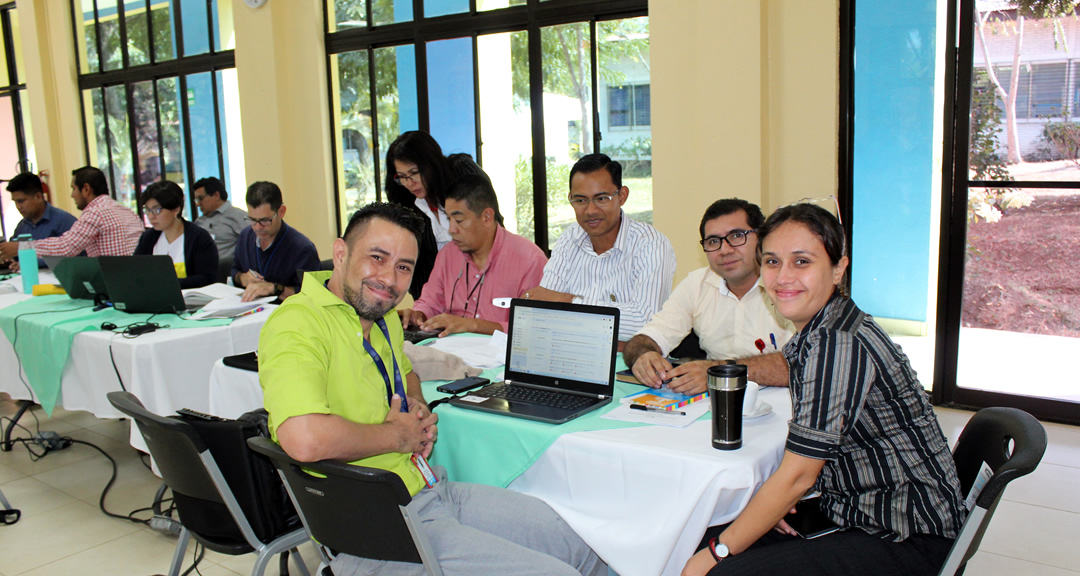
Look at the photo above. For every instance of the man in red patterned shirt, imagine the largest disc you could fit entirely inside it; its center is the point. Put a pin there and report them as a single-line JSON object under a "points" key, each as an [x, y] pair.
{"points": [[104, 229]]}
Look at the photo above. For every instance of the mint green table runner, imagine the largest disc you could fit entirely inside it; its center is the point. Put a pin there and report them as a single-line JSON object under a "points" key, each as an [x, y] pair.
{"points": [[491, 449], [46, 326]]}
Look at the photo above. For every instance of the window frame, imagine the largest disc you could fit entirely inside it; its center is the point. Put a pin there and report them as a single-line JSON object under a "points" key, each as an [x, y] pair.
{"points": [[179, 67], [530, 17]]}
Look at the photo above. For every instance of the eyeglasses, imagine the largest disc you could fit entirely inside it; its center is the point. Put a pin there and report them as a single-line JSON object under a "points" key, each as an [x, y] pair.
{"points": [[261, 221], [734, 238], [199, 199], [412, 176], [601, 201], [155, 210]]}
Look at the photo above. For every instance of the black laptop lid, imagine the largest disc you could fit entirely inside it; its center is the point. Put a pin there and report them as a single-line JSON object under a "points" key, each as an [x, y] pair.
{"points": [[564, 346], [142, 283], [81, 277]]}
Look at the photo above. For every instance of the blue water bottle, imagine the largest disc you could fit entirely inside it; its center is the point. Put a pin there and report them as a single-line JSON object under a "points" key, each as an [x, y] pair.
{"points": [[28, 264]]}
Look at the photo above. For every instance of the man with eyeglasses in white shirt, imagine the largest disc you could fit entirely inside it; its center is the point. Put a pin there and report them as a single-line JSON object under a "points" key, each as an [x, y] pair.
{"points": [[608, 259], [723, 303], [222, 220], [270, 255]]}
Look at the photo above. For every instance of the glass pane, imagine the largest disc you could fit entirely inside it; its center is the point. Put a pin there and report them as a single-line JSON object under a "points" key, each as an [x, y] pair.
{"points": [[9, 158], [225, 39], [4, 80], [137, 33], [109, 29], [196, 32], [16, 38], [121, 169], [391, 11], [1021, 287], [87, 41], [345, 14], [164, 42], [146, 133], [172, 136], [232, 142], [93, 101], [433, 8], [204, 140], [482, 5], [451, 101], [355, 160], [28, 131], [623, 66], [506, 125], [568, 131], [395, 93]]}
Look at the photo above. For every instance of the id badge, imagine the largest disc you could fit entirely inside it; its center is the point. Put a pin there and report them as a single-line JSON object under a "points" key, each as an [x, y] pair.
{"points": [[421, 464]]}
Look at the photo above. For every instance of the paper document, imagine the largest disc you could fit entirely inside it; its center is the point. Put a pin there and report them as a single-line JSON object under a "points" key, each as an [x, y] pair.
{"points": [[229, 306], [479, 352]]}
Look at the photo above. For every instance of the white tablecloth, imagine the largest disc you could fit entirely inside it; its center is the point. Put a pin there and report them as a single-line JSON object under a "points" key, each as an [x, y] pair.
{"points": [[641, 497], [167, 370]]}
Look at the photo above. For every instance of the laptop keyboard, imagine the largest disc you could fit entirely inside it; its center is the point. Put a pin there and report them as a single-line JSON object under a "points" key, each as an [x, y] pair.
{"points": [[534, 396]]}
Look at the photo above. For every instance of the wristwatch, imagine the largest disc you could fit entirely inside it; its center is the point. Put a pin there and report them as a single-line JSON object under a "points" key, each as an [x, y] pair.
{"points": [[718, 549], [278, 289], [577, 300]]}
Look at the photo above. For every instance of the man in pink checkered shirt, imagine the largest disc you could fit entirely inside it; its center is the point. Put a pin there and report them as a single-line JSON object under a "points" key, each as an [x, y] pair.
{"points": [[104, 229]]}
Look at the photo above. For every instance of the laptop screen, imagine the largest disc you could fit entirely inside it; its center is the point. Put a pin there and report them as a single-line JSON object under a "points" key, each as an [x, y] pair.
{"points": [[562, 345]]}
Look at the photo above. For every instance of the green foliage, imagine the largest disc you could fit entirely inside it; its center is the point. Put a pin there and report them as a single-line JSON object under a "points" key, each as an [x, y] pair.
{"points": [[1063, 138], [1044, 8], [557, 176], [984, 162], [635, 155]]}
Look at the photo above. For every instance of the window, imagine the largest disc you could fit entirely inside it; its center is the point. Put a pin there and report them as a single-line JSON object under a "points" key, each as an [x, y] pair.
{"points": [[16, 142], [628, 106], [159, 93], [513, 83]]}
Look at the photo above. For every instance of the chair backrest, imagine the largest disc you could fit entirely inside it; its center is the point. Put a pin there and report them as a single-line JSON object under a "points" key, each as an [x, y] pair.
{"points": [[353, 510], [204, 501], [223, 269], [1011, 442], [175, 447]]}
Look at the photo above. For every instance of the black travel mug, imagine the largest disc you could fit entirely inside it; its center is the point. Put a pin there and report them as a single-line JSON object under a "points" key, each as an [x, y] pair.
{"points": [[727, 386]]}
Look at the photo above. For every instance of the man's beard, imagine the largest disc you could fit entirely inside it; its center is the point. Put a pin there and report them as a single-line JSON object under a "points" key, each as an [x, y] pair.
{"points": [[370, 311]]}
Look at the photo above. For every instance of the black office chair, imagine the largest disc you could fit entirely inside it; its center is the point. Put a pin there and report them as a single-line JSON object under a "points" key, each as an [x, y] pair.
{"points": [[223, 269], [193, 475], [8, 515], [326, 265], [689, 348], [330, 507], [1011, 442]]}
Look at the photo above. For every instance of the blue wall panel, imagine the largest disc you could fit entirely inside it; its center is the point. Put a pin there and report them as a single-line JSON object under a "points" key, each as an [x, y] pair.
{"points": [[893, 156]]}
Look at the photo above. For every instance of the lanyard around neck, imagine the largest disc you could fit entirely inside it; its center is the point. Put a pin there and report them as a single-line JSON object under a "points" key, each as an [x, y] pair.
{"points": [[398, 386]]}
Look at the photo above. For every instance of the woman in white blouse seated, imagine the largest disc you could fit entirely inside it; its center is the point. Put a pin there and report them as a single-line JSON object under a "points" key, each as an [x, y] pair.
{"points": [[192, 249]]}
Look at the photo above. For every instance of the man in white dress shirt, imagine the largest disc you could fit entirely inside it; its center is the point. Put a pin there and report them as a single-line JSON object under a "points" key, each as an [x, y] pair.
{"points": [[608, 259], [724, 304]]}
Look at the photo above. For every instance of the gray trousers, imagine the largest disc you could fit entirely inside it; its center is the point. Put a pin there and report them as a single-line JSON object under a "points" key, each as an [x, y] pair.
{"points": [[476, 529]]}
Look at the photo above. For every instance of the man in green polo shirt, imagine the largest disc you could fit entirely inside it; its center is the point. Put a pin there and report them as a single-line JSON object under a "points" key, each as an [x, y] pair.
{"points": [[338, 389]]}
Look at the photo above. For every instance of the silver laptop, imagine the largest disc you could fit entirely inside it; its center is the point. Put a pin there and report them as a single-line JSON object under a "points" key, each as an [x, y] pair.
{"points": [[560, 363]]}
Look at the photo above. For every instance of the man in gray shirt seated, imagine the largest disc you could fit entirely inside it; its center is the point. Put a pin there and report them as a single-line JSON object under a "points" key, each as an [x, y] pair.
{"points": [[222, 220]]}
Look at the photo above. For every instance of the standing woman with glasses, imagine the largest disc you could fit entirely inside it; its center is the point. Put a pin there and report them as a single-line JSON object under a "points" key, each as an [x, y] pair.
{"points": [[191, 248], [862, 432], [418, 176]]}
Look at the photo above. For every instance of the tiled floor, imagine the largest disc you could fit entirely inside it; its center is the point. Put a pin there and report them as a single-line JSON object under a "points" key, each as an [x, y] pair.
{"points": [[63, 532]]}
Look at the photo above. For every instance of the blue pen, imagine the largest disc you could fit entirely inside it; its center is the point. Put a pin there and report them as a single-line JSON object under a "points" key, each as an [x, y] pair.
{"points": [[772, 338]]}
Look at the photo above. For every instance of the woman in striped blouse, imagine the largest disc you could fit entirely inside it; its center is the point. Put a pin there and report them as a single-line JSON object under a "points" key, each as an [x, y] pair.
{"points": [[862, 432]]}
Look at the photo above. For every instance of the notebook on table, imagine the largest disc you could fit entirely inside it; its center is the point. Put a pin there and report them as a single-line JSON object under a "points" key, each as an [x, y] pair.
{"points": [[560, 363]]}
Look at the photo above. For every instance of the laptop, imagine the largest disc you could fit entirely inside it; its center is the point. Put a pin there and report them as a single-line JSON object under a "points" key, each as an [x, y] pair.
{"points": [[560, 363], [144, 284], [81, 278]]}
